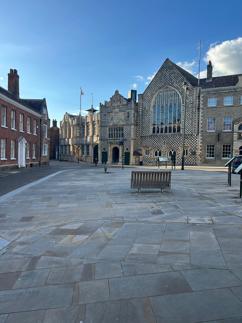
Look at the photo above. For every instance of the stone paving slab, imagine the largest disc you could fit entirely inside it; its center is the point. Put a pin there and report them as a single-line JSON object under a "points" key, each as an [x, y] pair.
{"points": [[196, 307], [87, 248]]}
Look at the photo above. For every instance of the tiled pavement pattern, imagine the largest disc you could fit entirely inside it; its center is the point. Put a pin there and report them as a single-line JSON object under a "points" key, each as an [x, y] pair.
{"points": [[83, 247]]}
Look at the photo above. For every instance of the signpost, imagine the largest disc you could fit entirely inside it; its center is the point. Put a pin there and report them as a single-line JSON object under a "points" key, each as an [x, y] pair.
{"points": [[238, 170], [229, 165], [162, 160]]}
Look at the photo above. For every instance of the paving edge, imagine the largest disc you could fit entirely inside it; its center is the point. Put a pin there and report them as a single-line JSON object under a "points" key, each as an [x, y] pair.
{"points": [[8, 195]]}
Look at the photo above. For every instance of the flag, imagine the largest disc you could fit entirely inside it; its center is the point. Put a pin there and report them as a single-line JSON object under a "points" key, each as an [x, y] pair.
{"points": [[82, 93]]}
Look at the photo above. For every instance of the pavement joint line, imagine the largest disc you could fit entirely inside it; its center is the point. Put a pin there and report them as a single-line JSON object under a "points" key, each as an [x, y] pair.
{"points": [[8, 195]]}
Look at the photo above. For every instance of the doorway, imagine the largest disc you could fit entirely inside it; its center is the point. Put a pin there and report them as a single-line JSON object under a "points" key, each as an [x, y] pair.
{"points": [[115, 155], [95, 154], [22, 152]]}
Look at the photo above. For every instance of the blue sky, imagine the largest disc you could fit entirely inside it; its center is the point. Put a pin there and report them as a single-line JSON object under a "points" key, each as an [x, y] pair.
{"points": [[103, 45]]}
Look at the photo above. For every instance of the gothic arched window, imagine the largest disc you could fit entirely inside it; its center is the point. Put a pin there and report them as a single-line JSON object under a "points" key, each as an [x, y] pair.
{"points": [[167, 112], [240, 127]]}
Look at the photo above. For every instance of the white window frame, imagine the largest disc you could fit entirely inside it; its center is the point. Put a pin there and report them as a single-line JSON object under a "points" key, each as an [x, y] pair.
{"points": [[231, 124], [228, 100], [35, 127], [28, 125], [21, 122], [212, 102], [45, 134], [3, 144], [27, 151], [210, 157], [241, 100], [13, 120], [12, 150], [45, 150], [211, 130], [34, 151], [226, 157], [3, 117]]}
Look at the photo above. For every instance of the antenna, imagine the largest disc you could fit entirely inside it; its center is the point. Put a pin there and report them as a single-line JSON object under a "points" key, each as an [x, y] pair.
{"points": [[199, 61], [92, 99]]}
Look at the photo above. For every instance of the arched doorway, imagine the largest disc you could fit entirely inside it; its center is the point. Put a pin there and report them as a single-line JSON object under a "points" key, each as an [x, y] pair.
{"points": [[22, 152], [95, 153], [115, 155]]}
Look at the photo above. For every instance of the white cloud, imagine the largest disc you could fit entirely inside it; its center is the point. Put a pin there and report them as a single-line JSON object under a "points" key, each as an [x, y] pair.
{"points": [[150, 77], [139, 77], [134, 86], [188, 66], [1, 78], [226, 57]]}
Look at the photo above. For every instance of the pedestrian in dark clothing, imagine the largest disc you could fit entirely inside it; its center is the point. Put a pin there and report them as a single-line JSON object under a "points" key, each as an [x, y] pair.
{"points": [[173, 159]]}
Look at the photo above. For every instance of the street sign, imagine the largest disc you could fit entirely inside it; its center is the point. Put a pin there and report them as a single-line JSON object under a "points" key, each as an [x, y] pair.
{"points": [[238, 169], [229, 162]]}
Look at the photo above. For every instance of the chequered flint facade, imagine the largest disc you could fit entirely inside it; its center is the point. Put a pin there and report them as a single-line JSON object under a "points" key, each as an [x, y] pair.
{"points": [[177, 111], [202, 116]]}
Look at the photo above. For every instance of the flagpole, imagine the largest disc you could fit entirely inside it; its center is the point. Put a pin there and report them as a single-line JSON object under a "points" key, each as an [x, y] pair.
{"points": [[80, 101]]}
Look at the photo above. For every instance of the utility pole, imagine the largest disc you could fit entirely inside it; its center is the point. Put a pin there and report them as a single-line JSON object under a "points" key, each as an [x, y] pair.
{"points": [[185, 86]]}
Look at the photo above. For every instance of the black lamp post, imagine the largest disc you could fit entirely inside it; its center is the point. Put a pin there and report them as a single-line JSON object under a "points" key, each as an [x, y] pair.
{"points": [[121, 143], [186, 88]]}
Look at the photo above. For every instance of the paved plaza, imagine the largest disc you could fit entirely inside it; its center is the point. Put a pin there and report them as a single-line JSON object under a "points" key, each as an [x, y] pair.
{"points": [[81, 246]]}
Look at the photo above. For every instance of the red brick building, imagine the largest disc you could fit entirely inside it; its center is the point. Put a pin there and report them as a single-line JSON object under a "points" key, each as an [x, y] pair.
{"points": [[24, 127]]}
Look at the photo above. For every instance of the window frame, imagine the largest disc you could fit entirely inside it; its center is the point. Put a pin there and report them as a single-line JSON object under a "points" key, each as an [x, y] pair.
{"points": [[28, 125], [4, 125], [13, 119], [229, 104], [230, 151], [13, 150], [3, 156], [35, 127], [211, 130], [27, 150], [21, 122], [231, 124], [33, 151], [209, 105], [210, 157]]}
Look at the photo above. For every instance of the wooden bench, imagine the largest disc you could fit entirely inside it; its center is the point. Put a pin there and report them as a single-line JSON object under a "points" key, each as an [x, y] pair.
{"points": [[151, 179]]}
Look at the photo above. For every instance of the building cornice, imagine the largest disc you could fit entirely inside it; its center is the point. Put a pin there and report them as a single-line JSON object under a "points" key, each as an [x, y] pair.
{"points": [[19, 105]]}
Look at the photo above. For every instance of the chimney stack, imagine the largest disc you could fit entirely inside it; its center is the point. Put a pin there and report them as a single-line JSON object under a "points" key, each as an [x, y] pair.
{"points": [[209, 71], [55, 123], [13, 82], [133, 95]]}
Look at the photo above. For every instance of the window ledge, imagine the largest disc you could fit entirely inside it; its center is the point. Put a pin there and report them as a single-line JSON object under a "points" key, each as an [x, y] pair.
{"points": [[33, 158], [213, 131], [4, 126], [3, 158], [14, 129], [12, 158], [21, 131], [227, 130], [210, 157]]}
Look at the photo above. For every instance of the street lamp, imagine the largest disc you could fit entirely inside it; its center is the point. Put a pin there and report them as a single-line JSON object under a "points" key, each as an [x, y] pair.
{"points": [[186, 88], [121, 143]]}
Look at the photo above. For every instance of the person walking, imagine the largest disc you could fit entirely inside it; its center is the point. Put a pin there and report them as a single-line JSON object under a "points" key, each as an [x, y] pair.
{"points": [[173, 159]]}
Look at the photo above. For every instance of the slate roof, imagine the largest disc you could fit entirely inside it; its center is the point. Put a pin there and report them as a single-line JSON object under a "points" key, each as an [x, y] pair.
{"points": [[33, 104], [216, 82], [220, 81]]}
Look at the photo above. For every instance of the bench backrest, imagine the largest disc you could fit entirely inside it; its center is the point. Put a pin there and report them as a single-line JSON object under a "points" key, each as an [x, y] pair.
{"points": [[150, 179]]}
